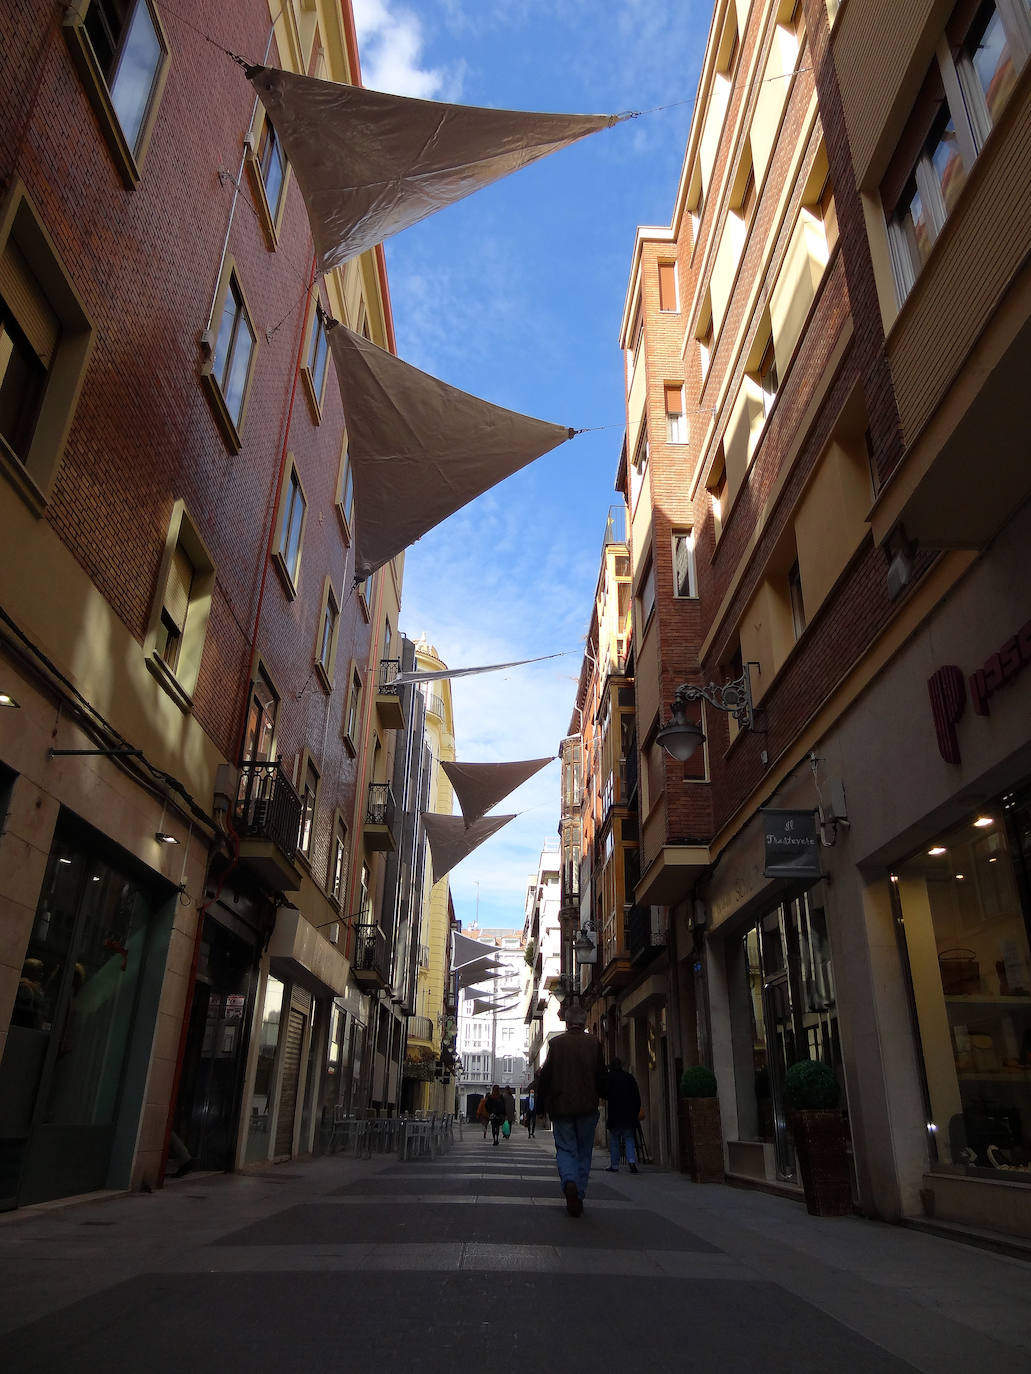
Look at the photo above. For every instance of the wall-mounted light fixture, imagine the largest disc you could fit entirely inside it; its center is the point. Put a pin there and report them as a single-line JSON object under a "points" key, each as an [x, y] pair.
{"points": [[681, 737], [7, 700], [163, 837]]}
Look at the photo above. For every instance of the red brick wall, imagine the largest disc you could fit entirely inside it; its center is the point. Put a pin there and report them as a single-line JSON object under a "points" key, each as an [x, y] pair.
{"points": [[145, 263]]}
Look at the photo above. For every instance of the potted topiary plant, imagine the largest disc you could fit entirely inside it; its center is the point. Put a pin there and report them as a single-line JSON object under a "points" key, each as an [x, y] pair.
{"points": [[812, 1095], [701, 1135]]}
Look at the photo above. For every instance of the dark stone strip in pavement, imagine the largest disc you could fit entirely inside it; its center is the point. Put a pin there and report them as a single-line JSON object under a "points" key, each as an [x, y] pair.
{"points": [[269, 1321], [315, 1223], [471, 1197]]}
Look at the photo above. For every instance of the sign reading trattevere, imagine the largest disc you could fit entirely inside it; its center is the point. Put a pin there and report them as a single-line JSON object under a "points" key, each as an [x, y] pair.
{"points": [[791, 844]]}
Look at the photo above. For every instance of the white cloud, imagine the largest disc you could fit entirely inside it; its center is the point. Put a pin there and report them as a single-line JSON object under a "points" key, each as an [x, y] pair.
{"points": [[390, 46]]}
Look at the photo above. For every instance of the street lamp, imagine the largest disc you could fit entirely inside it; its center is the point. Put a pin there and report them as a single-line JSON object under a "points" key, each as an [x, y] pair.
{"points": [[681, 737]]}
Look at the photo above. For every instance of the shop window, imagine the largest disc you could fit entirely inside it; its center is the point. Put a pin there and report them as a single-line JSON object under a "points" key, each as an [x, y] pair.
{"points": [[44, 346], [258, 1141], [963, 900], [121, 52]]}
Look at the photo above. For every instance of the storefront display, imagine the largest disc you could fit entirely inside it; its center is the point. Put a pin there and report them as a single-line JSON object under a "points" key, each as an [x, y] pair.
{"points": [[964, 905]]}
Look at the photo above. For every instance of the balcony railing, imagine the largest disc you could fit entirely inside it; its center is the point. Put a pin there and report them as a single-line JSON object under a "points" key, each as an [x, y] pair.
{"points": [[380, 810], [647, 934], [369, 963], [615, 526], [267, 807], [388, 671], [420, 1028]]}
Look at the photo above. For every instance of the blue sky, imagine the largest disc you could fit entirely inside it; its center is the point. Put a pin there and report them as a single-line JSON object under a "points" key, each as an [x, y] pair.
{"points": [[515, 294]]}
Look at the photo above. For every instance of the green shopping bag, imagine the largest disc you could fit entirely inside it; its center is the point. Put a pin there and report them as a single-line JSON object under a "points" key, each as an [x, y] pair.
{"points": [[506, 1128]]}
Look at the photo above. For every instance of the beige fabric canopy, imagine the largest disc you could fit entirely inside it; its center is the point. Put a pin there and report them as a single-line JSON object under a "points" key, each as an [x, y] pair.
{"points": [[371, 164], [451, 840], [420, 449], [479, 786]]}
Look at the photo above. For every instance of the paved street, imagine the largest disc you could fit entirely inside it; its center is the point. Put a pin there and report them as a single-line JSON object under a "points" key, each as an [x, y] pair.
{"points": [[341, 1264]]}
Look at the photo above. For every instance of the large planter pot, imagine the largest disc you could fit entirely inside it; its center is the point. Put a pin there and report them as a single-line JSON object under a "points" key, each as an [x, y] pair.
{"points": [[821, 1143], [701, 1139]]}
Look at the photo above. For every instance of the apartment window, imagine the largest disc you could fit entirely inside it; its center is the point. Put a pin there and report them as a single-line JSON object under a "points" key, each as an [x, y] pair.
{"points": [[795, 597], [766, 375], [726, 58], [44, 345], [345, 492], [318, 357], [179, 619], [262, 713], [684, 582], [717, 489], [228, 372], [326, 645], [704, 334], [676, 420], [120, 50], [365, 894], [338, 862], [646, 594], [668, 286], [272, 165], [962, 98], [636, 337], [291, 529], [309, 794], [640, 461], [361, 591], [354, 703]]}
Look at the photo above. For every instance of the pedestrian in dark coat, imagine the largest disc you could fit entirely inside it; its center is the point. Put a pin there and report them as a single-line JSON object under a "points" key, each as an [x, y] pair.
{"points": [[495, 1110], [624, 1112]]}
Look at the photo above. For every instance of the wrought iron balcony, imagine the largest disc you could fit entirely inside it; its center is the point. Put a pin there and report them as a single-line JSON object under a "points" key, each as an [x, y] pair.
{"points": [[267, 817], [369, 960], [379, 817], [388, 695], [647, 934]]}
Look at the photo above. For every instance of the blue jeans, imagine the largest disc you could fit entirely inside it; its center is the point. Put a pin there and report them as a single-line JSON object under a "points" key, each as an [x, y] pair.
{"points": [[624, 1134], [574, 1144]]}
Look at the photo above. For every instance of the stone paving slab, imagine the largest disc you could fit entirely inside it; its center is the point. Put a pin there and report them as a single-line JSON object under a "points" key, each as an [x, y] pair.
{"points": [[208, 1323], [320, 1224], [477, 1185]]}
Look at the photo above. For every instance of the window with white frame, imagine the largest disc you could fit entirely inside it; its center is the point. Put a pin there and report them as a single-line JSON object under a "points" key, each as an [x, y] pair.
{"points": [[309, 793], [684, 581], [676, 420], [970, 80]]}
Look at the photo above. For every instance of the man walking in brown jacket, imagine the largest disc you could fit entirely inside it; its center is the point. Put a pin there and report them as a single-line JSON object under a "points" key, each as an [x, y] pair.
{"points": [[571, 1081]]}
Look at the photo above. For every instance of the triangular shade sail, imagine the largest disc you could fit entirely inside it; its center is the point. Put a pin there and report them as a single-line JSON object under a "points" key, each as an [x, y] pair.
{"points": [[420, 449], [451, 840], [479, 786], [402, 679], [475, 973], [466, 951], [371, 164]]}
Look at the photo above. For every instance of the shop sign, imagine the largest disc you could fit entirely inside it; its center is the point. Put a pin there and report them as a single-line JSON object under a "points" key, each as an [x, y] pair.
{"points": [[948, 688], [791, 844]]}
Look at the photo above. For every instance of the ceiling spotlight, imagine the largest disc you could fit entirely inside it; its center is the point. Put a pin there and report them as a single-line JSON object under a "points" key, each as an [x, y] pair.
{"points": [[982, 821], [937, 849], [960, 877], [894, 877], [994, 859], [7, 700], [163, 837]]}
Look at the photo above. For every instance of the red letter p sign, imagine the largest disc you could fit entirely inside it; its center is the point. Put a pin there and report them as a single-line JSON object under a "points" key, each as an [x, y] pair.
{"points": [[948, 700]]}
